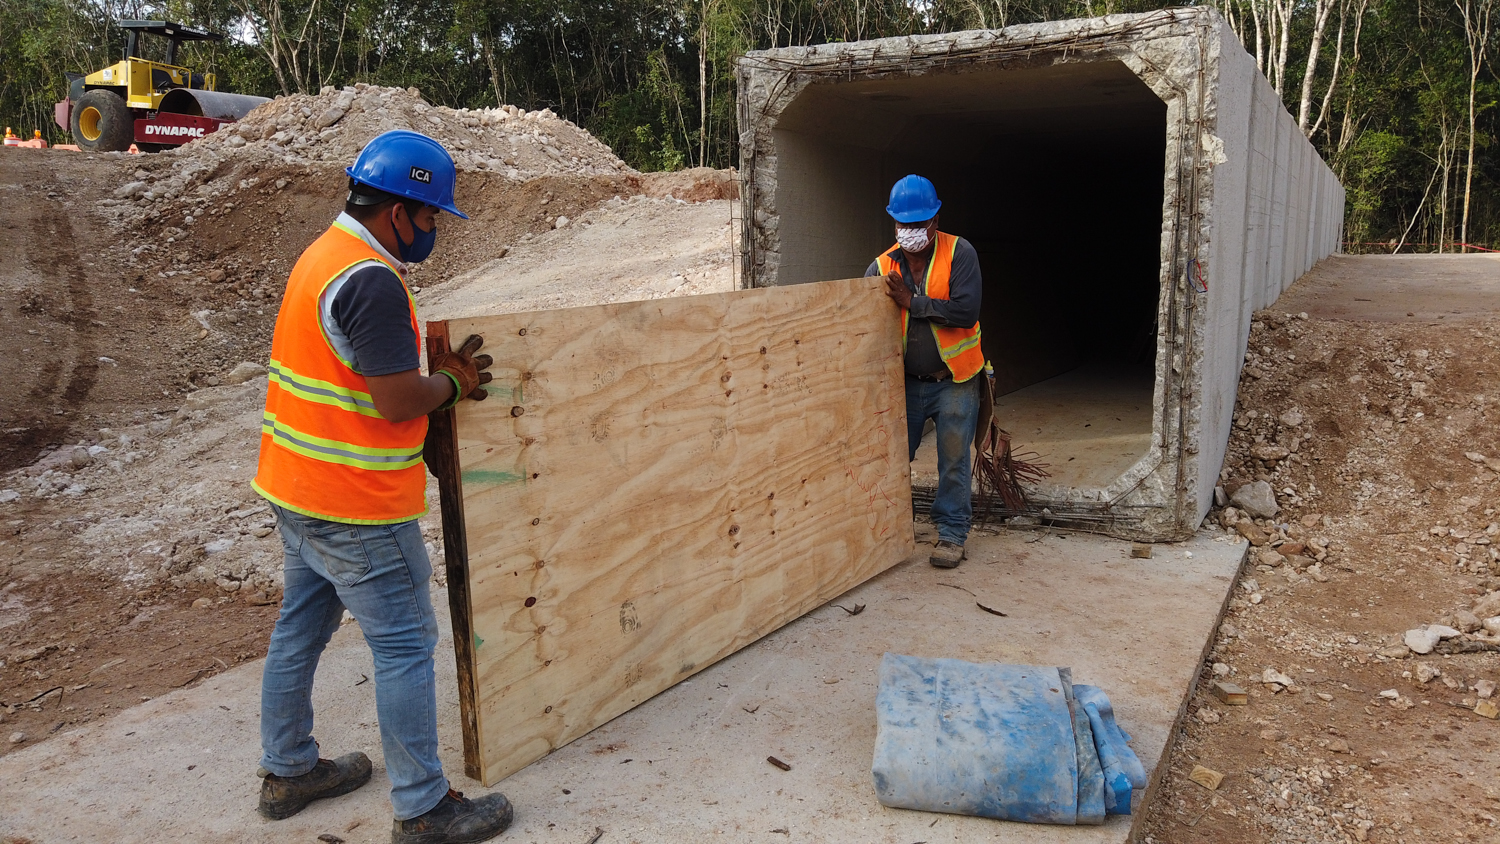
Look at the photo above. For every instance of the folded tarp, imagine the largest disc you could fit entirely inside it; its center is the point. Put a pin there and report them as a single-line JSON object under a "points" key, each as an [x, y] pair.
{"points": [[1013, 742]]}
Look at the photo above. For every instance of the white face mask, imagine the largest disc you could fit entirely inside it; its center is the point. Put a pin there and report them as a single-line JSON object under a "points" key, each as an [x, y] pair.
{"points": [[912, 240]]}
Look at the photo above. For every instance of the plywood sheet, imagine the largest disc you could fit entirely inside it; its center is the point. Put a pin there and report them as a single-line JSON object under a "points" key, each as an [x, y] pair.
{"points": [[653, 485]]}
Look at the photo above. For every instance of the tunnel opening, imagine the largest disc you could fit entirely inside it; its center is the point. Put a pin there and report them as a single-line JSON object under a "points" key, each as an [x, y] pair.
{"points": [[1056, 175]]}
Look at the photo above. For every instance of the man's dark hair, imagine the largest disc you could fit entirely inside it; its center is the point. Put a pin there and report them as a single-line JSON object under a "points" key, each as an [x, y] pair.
{"points": [[366, 203]]}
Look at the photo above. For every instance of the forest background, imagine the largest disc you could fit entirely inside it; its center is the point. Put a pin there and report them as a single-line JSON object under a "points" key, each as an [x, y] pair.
{"points": [[1398, 95]]}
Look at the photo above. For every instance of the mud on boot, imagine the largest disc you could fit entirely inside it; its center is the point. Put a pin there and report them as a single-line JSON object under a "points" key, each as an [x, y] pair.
{"points": [[946, 555], [456, 820], [282, 797]]}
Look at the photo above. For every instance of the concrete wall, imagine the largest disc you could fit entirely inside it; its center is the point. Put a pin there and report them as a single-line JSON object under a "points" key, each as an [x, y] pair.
{"points": [[832, 195], [1273, 210], [1246, 202]]}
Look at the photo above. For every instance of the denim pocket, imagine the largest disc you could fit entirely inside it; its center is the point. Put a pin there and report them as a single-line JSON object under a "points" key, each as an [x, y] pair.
{"points": [[289, 531], [340, 551]]}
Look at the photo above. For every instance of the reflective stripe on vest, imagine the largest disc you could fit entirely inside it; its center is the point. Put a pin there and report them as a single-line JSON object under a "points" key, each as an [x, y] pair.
{"points": [[959, 347], [333, 451], [322, 392], [325, 449]]}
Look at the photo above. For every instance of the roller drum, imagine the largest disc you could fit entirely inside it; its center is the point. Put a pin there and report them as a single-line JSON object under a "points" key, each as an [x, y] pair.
{"points": [[213, 104]]}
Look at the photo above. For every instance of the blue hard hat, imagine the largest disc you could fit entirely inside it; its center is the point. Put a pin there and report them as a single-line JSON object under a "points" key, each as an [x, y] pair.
{"points": [[409, 165], [913, 200]]}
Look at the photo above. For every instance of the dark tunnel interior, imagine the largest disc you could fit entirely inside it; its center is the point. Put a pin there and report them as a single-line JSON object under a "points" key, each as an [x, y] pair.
{"points": [[1055, 175]]}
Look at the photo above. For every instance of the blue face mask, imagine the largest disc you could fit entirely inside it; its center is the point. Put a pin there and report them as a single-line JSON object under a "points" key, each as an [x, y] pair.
{"points": [[420, 246]]}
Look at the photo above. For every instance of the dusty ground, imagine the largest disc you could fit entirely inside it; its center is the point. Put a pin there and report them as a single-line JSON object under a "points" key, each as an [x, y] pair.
{"points": [[1389, 406]]}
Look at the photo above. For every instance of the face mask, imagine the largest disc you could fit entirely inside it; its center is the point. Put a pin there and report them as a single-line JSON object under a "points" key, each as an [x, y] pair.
{"points": [[420, 246], [912, 240]]}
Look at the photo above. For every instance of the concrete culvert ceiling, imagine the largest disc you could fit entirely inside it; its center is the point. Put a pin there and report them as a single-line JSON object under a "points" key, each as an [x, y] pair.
{"points": [[1066, 98]]}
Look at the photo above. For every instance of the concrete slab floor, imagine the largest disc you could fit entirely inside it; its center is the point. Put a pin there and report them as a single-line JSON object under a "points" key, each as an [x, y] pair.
{"points": [[1397, 288], [1089, 425], [690, 764]]}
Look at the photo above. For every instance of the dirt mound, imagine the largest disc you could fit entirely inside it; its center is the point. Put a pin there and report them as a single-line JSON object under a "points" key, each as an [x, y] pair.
{"points": [[1372, 421], [620, 250], [697, 184], [165, 488], [336, 124], [302, 133]]}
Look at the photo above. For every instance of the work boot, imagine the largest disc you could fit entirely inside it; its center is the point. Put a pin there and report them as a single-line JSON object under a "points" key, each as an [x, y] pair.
{"points": [[947, 555], [456, 820], [282, 797]]}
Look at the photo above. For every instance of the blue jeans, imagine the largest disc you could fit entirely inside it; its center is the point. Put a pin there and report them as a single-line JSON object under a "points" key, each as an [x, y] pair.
{"points": [[380, 573], [955, 409]]}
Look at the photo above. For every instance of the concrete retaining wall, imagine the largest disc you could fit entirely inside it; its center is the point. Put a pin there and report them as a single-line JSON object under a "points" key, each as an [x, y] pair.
{"points": [[1247, 205]]}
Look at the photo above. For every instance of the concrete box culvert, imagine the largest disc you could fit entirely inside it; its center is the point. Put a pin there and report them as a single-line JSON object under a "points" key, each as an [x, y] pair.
{"points": [[1135, 190]]}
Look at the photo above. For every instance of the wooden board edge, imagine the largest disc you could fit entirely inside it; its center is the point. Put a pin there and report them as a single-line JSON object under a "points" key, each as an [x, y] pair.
{"points": [[441, 454]]}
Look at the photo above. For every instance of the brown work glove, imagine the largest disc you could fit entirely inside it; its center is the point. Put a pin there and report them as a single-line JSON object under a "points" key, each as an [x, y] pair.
{"points": [[466, 369]]}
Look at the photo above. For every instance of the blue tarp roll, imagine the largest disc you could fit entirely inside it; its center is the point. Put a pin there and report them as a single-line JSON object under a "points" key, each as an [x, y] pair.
{"points": [[1012, 742], [1123, 772]]}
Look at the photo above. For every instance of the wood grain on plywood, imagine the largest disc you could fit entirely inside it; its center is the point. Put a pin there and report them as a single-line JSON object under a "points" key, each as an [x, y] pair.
{"points": [[653, 485]]}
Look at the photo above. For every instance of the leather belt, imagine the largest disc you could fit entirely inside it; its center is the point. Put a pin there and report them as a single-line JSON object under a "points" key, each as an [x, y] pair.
{"points": [[935, 377]]}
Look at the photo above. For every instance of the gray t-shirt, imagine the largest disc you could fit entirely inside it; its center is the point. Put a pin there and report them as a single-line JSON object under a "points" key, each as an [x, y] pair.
{"points": [[960, 309], [373, 311]]}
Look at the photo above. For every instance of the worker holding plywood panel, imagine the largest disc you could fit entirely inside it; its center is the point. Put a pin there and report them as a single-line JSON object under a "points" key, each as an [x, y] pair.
{"points": [[655, 485], [341, 463], [934, 277]]}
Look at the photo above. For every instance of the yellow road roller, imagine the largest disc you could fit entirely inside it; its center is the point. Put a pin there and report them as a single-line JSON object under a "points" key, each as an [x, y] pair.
{"points": [[148, 103]]}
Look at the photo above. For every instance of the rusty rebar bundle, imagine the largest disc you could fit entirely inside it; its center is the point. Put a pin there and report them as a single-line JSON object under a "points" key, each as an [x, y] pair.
{"points": [[1001, 472]]}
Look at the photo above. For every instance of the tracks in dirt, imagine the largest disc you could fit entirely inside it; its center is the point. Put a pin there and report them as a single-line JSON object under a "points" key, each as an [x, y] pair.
{"points": [[66, 300], [64, 380]]}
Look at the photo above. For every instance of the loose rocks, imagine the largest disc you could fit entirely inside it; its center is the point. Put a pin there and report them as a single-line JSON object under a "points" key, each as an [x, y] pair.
{"points": [[1257, 499], [1421, 640], [1488, 606], [244, 372]]}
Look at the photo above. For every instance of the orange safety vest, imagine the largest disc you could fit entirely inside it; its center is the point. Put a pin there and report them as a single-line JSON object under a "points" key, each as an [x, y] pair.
{"points": [[959, 346], [325, 451]]}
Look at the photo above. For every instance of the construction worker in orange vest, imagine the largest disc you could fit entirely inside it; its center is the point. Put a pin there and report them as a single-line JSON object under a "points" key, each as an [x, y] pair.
{"points": [[341, 464], [934, 277]]}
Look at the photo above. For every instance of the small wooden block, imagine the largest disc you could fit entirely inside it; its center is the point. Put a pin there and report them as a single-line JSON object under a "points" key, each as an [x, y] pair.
{"points": [[1140, 550], [1487, 709], [1230, 694], [1205, 777]]}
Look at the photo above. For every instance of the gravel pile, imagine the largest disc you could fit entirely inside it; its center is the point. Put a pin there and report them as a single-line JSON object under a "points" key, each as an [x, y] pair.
{"points": [[336, 124], [304, 132]]}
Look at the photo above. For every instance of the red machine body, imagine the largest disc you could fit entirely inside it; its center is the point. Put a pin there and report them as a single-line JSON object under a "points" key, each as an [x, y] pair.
{"points": [[170, 128]]}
